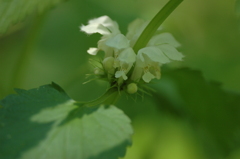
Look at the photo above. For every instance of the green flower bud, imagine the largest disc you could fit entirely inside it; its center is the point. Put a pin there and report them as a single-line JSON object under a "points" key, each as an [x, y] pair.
{"points": [[98, 71], [132, 88], [108, 64]]}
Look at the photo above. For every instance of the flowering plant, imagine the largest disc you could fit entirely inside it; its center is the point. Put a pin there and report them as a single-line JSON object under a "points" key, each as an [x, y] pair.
{"points": [[122, 65], [68, 127], [187, 114]]}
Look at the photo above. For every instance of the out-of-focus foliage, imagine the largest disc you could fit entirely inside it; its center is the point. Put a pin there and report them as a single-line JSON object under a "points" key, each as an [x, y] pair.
{"points": [[209, 120], [13, 11], [238, 11], [214, 114], [238, 7], [46, 123]]}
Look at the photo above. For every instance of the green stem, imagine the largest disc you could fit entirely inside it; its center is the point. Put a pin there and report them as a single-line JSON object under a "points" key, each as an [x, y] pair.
{"points": [[109, 97], [152, 27]]}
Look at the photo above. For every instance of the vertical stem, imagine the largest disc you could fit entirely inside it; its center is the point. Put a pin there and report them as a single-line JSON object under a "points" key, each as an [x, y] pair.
{"points": [[152, 27]]}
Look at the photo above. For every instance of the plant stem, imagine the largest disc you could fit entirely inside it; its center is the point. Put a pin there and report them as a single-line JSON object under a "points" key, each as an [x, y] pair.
{"points": [[109, 97], [152, 27]]}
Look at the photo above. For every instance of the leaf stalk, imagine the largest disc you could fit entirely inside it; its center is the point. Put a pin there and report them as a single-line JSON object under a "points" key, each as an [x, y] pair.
{"points": [[155, 23]]}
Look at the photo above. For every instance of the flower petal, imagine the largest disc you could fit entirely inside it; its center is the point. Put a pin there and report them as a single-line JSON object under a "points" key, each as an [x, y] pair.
{"points": [[127, 56], [164, 38], [119, 74], [133, 27], [147, 77], [94, 28], [171, 52], [154, 54], [104, 20], [92, 51], [103, 25], [119, 42]]}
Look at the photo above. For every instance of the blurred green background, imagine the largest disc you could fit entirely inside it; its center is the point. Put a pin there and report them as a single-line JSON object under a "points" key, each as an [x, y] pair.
{"points": [[49, 47]]}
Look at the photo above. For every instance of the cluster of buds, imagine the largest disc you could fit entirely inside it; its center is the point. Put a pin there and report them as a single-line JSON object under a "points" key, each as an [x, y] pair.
{"points": [[121, 65]]}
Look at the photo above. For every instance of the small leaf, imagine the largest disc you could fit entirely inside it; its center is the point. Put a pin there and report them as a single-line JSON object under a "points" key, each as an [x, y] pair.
{"points": [[12, 11], [46, 123]]}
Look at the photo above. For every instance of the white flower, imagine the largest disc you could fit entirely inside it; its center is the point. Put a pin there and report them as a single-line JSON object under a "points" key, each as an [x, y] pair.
{"points": [[135, 29], [124, 62], [111, 39], [149, 60], [118, 42], [103, 25], [120, 56], [160, 50]]}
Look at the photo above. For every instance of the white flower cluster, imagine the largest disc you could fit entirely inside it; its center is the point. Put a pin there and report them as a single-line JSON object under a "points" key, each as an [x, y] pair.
{"points": [[120, 56]]}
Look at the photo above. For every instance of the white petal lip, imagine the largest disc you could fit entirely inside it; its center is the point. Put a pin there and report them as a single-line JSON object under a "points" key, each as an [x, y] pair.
{"points": [[103, 25], [121, 74], [104, 20], [147, 77], [92, 51], [154, 53], [94, 28], [127, 55], [119, 42], [171, 52], [164, 38]]}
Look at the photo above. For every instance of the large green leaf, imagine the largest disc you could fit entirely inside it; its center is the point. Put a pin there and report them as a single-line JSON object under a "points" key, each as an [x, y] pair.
{"points": [[212, 111], [46, 123], [12, 11]]}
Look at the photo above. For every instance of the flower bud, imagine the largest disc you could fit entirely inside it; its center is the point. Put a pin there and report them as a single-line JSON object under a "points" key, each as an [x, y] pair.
{"points": [[132, 88], [108, 64], [98, 71]]}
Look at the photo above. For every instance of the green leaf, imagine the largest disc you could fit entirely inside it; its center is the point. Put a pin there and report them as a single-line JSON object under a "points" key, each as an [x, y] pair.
{"points": [[46, 123], [13, 11], [212, 111]]}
